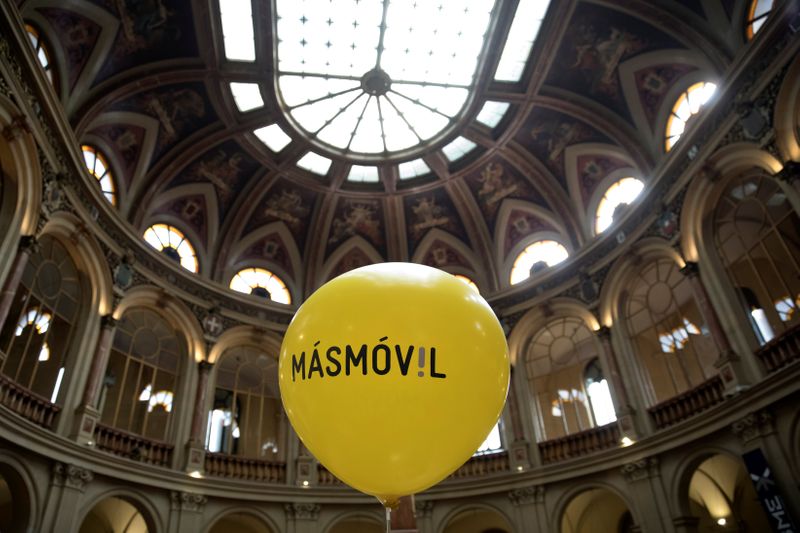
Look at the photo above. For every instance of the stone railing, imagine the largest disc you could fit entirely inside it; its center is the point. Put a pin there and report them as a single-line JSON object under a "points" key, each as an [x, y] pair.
{"points": [[232, 467], [134, 447], [326, 479], [782, 350], [579, 444], [27, 404], [483, 465], [688, 404]]}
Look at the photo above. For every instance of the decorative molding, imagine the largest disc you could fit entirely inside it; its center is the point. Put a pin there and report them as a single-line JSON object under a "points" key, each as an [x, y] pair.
{"points": [[527, 495], [188, 501], [753, 426], [642, 469], [71, 476], [302, 511]]}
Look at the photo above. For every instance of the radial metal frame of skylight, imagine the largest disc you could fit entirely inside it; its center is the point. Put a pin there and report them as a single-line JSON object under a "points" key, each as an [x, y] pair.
{"points": [[354, 96]]}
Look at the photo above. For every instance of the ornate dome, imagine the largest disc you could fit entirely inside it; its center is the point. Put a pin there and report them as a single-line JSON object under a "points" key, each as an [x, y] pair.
{"points": [[619, 180]]}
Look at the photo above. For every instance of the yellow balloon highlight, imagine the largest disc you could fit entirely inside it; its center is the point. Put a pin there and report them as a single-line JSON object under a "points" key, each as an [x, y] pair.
{"points": [[393, 375]]}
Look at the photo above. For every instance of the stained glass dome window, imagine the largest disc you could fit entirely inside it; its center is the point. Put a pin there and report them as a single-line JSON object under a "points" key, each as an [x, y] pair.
{"points": [[374, 77], [545, 253], [619, 194], [263, 283], [687, 105], [98, 167]]}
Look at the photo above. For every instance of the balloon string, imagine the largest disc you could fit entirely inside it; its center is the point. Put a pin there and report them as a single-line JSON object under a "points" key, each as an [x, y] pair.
{"points": [[388, 519]]}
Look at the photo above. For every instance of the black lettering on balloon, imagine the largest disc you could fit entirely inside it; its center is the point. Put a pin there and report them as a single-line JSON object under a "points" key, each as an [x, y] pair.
{"points": [[435, 374], [337, 366], [316, 364], [387, 358], [403, 363], [299, 366], [355, 360]]}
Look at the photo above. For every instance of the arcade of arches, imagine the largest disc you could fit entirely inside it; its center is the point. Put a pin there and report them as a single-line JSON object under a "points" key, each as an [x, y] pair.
{"points": [[619, 180]]}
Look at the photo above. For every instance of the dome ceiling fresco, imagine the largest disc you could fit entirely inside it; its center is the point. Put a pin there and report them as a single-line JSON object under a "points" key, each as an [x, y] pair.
{"points": [[149, 85]]}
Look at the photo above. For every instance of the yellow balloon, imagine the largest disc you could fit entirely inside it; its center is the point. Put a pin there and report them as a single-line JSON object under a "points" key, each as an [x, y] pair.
{"points": [[393, 375]]}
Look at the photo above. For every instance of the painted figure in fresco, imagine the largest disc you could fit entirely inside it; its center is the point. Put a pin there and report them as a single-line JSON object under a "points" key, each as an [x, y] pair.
{"points": [[598, 56], [221, 170], [495, 185], [554, 136], [145, 22], [286, 206], [428, 215], [358, 218], [174, 110]]}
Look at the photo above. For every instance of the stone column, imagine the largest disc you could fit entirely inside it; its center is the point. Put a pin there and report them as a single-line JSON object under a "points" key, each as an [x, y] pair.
{"points": [[756, 430], [530, 514], [195, 457], [729, 363], [648, 494], [518, 456], [186, 512], [404, 519], [619, 394], [27, 245], [64, 497], [87, 413], [424, 510], [302, 517]]}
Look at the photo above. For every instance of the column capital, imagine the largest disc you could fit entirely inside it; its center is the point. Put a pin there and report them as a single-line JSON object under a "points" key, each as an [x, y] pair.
{"points": [[691, 269], [204, 366], [302, 510], [188, 501], [753, 426], [75, 477], [789, 173], [604, 332], [108, 321], [642, 469], [527, 495], [423, 508], [28, 243]]}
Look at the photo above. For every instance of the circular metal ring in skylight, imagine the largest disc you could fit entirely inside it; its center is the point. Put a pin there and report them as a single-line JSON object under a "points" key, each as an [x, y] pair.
{"points": [[374, 77]]}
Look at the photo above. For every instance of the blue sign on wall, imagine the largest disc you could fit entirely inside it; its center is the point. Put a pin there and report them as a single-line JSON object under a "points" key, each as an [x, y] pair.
{"points": [[768, 492]]}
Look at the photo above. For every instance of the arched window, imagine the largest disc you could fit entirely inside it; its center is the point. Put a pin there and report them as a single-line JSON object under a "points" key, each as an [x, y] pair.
{"points": [[97, 165], [40, 325], [757, 235], [42, 53], [618, 196], [468, 281], [245, 419], [263, 283], [756, 16], [141, 379], [537, 257], [688, 104], [172, 243], [667, 330], [599, 394], [555, 365]]}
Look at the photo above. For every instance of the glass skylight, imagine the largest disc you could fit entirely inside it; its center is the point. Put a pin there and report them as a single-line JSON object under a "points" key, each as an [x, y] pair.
{"points": [[237, 29], [492, 113], [412, 169], [246, 95], [42, 54], [314, 163], [274, 137], [548, 253], [372, 76], [524, 29], [757, 15], [458, 149], [363, 174]]}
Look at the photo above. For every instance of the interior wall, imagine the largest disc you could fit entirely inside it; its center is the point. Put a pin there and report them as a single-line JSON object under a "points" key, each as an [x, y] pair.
{"points": [[594, 511]]}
